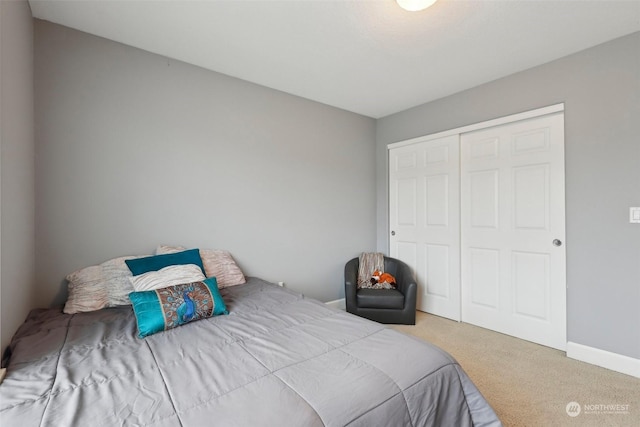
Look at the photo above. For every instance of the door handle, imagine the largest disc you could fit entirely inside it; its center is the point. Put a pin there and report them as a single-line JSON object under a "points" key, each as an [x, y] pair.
{"points": [[393, 233], [557, 242]]}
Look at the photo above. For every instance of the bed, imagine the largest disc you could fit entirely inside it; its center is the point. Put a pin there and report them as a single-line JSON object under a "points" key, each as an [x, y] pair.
{"points": [[277, 359]]}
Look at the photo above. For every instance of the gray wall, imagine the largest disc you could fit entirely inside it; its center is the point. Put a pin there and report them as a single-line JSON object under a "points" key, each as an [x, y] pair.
{"points": [[134, 150], [17, 193], [601, 91]]}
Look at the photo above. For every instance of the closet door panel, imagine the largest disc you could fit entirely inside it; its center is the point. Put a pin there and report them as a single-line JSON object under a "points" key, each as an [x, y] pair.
{"points": [[513, 228], [424, 185]]}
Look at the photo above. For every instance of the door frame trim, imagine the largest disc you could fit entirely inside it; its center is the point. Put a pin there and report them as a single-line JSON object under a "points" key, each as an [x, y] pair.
{"points": [[556, 108]]}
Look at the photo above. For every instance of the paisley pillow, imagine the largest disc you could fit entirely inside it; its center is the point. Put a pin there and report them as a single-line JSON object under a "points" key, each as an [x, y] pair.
{"points": [[168, 276], [167, 308]]}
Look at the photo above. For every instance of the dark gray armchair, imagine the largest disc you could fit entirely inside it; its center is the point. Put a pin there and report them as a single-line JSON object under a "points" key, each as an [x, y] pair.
{"points": [[382, 305]]}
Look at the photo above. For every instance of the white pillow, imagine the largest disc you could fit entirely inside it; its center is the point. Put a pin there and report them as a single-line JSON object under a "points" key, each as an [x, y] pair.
{"points": [[168, 276], [99, 286], [217, 263]]}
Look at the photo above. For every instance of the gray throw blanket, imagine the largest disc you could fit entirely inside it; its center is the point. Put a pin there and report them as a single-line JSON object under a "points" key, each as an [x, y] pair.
{"points": [[368, 263]]}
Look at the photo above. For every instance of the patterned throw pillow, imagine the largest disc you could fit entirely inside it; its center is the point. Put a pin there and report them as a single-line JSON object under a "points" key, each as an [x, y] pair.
{"points": [[173, 306], [217, 263]]}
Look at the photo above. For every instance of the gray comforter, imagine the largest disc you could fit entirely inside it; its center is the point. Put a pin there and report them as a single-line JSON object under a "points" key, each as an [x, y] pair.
{"points": [[278, 359]]}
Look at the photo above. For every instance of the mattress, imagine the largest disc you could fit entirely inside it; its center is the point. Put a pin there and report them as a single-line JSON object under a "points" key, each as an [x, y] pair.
{"points": [[277, 359]]}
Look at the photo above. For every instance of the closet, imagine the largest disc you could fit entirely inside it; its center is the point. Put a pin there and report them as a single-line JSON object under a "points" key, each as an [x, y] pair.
{"points": [[478, 213]]}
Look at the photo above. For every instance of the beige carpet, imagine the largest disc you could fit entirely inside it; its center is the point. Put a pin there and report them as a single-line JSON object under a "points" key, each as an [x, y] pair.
{"points": [[531, 385]]}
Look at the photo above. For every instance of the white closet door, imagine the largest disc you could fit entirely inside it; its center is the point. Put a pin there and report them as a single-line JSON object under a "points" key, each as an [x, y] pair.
{"points": [[424, 186], [513, 229]]}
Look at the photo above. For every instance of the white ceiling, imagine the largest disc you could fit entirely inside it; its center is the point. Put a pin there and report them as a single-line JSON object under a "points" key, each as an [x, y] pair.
{"points": [[369, 57]]}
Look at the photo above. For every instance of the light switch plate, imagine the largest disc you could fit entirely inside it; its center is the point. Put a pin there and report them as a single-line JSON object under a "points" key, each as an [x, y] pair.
{"points": [[634, 215]]}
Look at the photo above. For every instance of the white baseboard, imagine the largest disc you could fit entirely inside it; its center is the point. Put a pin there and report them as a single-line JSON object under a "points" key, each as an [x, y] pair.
{"points": [[606, 359], [339, 304]]}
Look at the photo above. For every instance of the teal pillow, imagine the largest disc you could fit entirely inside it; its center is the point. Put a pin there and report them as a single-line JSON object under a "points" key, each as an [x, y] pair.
{"points": [[154, 263], [166, 308]]}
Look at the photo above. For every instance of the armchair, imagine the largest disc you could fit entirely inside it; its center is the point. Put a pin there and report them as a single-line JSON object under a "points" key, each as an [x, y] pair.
{"points": [[382, 305]]}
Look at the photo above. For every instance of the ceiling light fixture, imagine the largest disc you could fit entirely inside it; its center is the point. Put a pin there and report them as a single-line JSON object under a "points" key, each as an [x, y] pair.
{"points": [[415, 5]]}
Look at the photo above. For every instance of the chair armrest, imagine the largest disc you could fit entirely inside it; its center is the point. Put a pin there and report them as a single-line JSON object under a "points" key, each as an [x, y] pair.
{"points": [[351, 284], [406, 284], [410, 292]]}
